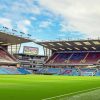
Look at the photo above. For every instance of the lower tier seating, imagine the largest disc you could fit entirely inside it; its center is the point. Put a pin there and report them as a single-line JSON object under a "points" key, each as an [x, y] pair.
{"points": [[70, 71], [13, 70]]}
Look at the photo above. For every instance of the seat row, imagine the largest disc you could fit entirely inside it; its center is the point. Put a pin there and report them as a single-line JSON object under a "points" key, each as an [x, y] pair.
{"points": [[75, 58], [13, 70], [70, 71]]}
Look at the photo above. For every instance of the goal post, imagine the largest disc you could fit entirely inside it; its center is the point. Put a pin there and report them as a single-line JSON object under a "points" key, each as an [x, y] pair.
{"points": [[87, 73]]}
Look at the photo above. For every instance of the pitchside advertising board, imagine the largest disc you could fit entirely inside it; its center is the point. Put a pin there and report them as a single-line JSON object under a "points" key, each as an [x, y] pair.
{"points": [[30, 50]]}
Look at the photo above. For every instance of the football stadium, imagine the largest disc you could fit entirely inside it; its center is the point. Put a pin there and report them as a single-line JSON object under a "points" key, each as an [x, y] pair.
{"points": [[49, 50], [69, 70]]}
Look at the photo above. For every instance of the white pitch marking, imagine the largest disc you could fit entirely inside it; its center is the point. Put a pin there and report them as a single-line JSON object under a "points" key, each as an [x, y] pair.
{"points": [[71, 93]]}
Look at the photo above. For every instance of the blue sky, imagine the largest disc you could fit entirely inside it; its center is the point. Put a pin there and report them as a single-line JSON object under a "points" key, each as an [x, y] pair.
{"points": [[52, 19]]}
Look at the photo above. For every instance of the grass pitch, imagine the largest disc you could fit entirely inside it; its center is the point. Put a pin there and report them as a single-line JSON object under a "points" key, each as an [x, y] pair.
{"points": [[47, 87]]}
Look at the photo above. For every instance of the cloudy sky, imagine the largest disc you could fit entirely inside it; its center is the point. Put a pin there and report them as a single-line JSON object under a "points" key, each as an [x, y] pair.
{"points": [[52, 19]]}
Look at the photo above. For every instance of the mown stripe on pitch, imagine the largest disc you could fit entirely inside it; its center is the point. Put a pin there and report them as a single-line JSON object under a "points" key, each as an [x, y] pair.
{"points": [[71, 93]]}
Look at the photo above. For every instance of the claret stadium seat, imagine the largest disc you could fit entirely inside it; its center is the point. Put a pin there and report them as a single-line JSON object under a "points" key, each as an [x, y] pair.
{"points": [[92, 58]]}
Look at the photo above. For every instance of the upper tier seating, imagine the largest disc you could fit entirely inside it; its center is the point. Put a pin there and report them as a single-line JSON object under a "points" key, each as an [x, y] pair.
{"points": [[52, 57], [62, 57], [59, 58], [92, 58], [5, 57], [75, 58]]}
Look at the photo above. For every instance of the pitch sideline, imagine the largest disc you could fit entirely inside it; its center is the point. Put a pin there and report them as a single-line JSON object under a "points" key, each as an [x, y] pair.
{"points": [[71, 93]]}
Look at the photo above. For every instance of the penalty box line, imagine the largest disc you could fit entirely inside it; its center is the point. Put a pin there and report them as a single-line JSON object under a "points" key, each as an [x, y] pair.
{"points": [[71, 93]]}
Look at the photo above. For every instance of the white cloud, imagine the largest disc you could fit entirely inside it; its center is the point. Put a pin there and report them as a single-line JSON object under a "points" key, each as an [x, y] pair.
{"points": [[5, 22], [33, 18], [45, 24], [19, 9], [27, 22], [83, 15], [61, 35], [26, 6], [22, 28], [23, 25], [65, 27]]}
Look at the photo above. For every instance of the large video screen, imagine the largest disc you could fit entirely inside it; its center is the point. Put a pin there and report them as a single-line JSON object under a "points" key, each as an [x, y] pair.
{"points": [[30, 50]]}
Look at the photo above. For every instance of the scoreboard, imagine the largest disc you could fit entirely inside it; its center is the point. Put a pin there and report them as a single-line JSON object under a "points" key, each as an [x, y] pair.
{"points": [[30, 50]]}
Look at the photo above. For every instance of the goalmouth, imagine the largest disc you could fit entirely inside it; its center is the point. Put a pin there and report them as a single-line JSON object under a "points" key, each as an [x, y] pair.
{"points": [[87, 73]]}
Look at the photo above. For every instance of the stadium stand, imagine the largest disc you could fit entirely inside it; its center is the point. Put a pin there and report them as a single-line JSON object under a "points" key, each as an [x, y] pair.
{"points": [[70, 71], [53, 70], [75, 58], [93, 58], [23, 71], [67, 71], [88, 72], [97, 72], [72, 57], [5, 57], [13, 70], [8, 63]]}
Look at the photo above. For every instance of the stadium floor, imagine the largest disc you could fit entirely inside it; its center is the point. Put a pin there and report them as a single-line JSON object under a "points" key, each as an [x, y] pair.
{"points": [[48, 87]]}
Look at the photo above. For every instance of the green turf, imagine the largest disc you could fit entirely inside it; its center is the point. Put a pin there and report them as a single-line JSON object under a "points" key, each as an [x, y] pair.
{"points": [[92, 95], [38, 87]]}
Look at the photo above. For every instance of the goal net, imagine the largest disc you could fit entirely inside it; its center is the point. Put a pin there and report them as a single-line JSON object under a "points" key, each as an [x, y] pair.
{"points": [[87, 73]]}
